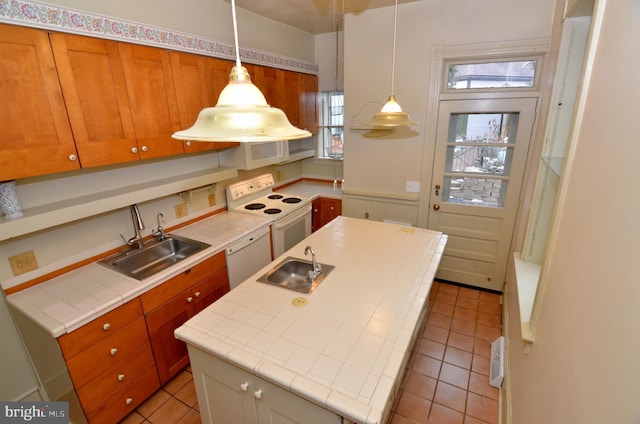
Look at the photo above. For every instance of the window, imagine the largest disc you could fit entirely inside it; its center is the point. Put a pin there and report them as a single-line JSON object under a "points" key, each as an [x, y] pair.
{"points": [[513, 74], [330, 141]]}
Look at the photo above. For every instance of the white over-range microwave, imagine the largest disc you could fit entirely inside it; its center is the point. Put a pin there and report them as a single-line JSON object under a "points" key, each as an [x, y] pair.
{"points": [[255, 155]]}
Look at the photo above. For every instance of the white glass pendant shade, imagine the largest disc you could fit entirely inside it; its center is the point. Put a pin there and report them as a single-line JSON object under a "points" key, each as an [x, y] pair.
{"points": [[391, 115], [242, 115]]}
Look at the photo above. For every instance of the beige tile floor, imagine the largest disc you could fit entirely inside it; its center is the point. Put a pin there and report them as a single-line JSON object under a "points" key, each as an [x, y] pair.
{"points": [[446, 381]]}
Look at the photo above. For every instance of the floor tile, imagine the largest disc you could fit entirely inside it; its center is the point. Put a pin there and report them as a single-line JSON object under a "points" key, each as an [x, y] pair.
{"points": [[446, 298], [426, 366], [482, 408], [458, 357], [450, 396], [421, 385], [414, 407], [455, 376], [467, 302], [169, 412], [479, 384], [461, 341], [482, 347], [443, 308], [464, 327], [465, 314], [481, 364], [449, 289], [431, 348], [152, 404], [442, 415], [437, 334]]}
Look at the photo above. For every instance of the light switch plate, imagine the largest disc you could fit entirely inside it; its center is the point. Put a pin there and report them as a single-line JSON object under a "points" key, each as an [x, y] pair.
{"points": [[413, 187]]}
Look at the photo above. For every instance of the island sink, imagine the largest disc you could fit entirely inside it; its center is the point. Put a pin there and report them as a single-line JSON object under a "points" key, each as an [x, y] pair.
{"points": [[296, 274], [153, 257]]}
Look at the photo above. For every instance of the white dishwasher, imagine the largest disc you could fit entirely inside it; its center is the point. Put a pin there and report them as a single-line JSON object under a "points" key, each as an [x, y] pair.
{"points": [[247, 255]]}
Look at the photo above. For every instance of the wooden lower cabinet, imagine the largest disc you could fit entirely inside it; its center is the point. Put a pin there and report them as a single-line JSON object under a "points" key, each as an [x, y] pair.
{"points": [[119, 359], [324, 211], [227, 394], [175, 309], [110, 363]]}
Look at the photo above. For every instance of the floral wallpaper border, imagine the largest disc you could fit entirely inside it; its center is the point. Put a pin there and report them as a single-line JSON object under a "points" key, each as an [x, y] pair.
{"points": [[53, 17]]}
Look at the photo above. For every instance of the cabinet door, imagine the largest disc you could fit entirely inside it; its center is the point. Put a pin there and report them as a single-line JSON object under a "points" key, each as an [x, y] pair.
{"points": [[225, 392], [316, 224], [330, 209], [35, 136], [152, 96], [265, 79], [287, 95], [277, 406], [170, 353], [209, 290], [308, 102], [198, 82], [93, 84]]}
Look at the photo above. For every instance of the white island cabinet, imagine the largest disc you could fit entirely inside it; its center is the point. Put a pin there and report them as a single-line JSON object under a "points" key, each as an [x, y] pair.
{"points": [[266, 354]]}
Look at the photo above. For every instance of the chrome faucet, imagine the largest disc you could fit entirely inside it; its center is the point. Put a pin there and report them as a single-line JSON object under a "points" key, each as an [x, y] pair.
{"points": [[317, 268], [160, 231], [136, 241]]}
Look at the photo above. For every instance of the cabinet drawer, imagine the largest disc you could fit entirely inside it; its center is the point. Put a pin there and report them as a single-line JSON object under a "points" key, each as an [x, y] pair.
{"points": [[99, 329], [106, 353], [124, 401], [166, 291], [116, 378]]}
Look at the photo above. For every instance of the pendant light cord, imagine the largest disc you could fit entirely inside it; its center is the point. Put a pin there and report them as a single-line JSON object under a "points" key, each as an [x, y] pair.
{"points": [[393, 59], [235, 31]]}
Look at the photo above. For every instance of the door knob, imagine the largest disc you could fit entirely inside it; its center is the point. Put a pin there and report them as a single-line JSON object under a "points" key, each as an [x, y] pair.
{"points": [[436, 207]]}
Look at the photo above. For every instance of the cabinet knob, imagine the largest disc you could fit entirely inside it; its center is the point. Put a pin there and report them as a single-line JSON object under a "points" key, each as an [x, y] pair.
{"points": [[189, 299], [113, 351], [106, 327], [145, 148], [120, 377], [244, 386], [332, 208], [73, 158], [188, 143], [258, 394], [197, 294], [134, 150], [129, 401]]}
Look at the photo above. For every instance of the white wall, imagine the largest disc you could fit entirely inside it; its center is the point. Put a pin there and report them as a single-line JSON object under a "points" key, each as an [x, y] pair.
{"points": [[583, 366], [383, 165]]}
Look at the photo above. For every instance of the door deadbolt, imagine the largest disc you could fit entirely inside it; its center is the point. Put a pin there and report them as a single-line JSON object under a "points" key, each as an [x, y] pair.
{"points": [[437, 187]]}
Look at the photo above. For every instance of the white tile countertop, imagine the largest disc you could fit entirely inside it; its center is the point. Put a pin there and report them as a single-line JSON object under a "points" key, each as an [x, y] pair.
{"points": [[347, 347], [71, 300], [312, 189]]}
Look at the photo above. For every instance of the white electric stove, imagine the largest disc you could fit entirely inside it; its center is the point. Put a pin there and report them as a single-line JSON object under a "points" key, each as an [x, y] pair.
{"points": [[291, 215]]}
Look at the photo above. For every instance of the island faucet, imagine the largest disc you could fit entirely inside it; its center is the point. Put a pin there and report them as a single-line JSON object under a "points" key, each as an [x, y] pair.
{"points": [[317, 268], [136, 241]]}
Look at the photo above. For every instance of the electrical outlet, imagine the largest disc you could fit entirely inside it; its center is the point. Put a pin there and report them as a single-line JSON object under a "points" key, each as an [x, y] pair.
{"points": [[23, 262], [212, 199], [181, 210]]}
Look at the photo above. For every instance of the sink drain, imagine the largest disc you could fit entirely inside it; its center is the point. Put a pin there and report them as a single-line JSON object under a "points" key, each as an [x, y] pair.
{"points": [[299, 301]]}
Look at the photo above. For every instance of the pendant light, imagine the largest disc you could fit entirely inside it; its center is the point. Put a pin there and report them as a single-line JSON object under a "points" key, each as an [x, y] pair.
{"points": [[242, 113], [391, 114]]}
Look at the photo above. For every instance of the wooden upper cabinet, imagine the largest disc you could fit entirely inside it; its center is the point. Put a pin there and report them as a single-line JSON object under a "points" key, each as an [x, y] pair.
{"points": [[35, 136], [287, 95], [308, 102], [266, 80], [152, 97], [198, 83], [92, 80]]}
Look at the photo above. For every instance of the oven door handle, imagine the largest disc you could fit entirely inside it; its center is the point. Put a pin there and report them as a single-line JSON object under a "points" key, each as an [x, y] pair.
{"points": [[292, 218]]}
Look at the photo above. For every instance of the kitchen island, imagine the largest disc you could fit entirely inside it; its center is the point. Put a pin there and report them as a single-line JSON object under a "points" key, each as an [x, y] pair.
{"points": [[338, 353]]}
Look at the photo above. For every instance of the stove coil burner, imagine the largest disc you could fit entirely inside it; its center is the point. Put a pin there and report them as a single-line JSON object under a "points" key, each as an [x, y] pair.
{"points": [[255, 206], [275, 196], [291, 200], [272, 211]]}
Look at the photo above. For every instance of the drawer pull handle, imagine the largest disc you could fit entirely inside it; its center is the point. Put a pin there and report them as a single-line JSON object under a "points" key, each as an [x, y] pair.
{"points": [[129, 401], [197, 294], [120, 377], [113, 351], [189, 299], [244, 387], [258, 394], [106, 327]]}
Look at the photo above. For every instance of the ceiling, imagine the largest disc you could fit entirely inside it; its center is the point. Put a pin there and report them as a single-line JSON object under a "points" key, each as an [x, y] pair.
{"points": [[314, 16]]}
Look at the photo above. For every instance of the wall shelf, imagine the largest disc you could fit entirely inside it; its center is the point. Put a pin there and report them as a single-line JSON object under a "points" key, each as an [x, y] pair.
{"points": [[62, 212]]}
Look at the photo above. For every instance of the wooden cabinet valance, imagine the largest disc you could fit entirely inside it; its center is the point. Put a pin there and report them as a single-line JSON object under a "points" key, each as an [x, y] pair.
{"points": [[72, 101]]}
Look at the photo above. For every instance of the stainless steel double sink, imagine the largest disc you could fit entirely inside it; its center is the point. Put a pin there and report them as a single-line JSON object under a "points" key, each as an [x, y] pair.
{"points": [[153, 257]]}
